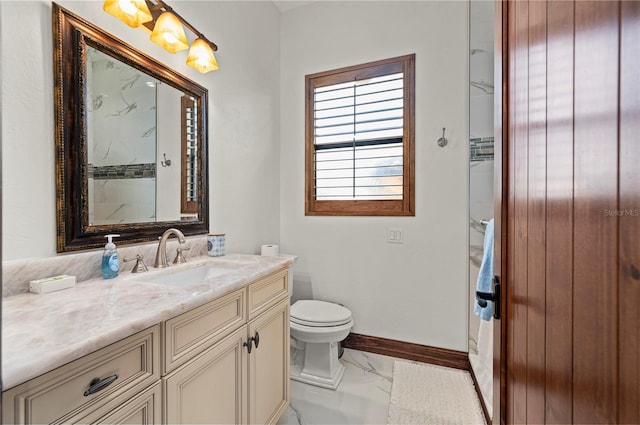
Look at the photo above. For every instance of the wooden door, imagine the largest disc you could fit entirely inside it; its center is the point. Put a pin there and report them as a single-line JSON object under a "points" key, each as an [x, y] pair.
{"points": [[500, 195], [210, 388], [571, 256], [269, 365]]}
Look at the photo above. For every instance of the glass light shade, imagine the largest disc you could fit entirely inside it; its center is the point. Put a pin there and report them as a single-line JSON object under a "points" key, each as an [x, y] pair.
{"points": [[132, 12], [201, 57], [169, 33]]}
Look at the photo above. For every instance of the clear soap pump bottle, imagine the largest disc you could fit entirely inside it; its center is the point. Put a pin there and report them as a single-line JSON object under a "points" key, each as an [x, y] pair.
{"points": [[110, 259]]}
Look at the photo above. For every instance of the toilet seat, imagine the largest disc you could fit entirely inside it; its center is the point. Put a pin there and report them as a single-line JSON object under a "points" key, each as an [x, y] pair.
{"points": [[316, 313]]}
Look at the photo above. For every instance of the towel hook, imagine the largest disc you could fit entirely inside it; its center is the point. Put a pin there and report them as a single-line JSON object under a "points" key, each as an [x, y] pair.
{"points": [[442, 142], [166, 162]]}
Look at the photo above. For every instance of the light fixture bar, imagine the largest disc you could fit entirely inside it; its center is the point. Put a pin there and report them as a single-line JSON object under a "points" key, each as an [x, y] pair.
{"points": [[167, 30]]}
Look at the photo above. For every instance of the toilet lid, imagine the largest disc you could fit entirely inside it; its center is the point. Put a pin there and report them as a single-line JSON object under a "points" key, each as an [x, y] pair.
{"points": [[319, 313]]}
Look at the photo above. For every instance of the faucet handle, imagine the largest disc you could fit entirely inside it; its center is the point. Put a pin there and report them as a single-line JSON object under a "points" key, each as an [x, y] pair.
{"points": [[179, 257], [140, 266]]}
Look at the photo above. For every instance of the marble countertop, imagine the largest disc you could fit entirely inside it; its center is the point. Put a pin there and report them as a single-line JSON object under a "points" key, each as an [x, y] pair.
{"points": [[42, 332]]}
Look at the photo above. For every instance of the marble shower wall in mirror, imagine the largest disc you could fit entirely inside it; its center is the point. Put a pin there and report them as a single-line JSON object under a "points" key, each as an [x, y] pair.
{"points": [[132, 126], [481, 169], [121, 130]]}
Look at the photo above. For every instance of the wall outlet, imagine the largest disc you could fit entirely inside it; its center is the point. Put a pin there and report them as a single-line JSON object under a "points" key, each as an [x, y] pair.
{"points": [[395, 235]]}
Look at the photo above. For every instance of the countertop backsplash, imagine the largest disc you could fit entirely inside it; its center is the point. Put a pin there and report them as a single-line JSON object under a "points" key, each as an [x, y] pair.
{"points": [[16, 274]]}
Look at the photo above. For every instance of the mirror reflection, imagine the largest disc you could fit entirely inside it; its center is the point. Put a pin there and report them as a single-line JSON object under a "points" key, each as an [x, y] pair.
{"points": [[135, 142]]}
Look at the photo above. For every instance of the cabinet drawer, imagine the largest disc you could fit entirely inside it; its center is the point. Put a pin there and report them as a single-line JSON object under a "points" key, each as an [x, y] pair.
{"points": [[60, 393], [127, 408], [191, 333], [266, 292]]}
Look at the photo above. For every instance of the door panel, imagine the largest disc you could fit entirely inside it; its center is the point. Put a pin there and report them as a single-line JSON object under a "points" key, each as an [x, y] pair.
{"points": [[210, 389], [509, 218], [269, 365], [595, 233], [559, 220], [629, 284], [595, 244], [536, 211], [572, 340], [517, 297]]}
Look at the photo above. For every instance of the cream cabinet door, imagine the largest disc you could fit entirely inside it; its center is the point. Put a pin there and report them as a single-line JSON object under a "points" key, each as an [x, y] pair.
{"points": [[209, 389], [269, 365]]}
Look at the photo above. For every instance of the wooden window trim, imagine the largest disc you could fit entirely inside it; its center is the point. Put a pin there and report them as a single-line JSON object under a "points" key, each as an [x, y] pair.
{"points": [[403, 207]]}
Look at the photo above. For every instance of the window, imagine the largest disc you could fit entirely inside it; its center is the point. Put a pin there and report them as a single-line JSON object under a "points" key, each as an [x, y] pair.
{"points": [[189, 154], [360, 139]]}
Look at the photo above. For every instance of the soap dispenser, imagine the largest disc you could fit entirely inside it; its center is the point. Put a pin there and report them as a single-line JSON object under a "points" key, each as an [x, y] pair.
{"points": [[110, 259]]}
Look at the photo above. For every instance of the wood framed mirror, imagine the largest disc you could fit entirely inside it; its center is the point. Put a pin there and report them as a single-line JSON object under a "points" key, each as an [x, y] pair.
{"points": [[131, 141]]}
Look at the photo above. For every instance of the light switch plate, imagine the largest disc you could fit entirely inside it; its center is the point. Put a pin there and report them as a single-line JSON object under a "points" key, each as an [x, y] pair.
{"points": [[395, 235]]}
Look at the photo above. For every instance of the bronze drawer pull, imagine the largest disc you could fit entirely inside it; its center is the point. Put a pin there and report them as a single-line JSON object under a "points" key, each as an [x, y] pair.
{"points": [[98, 384]]}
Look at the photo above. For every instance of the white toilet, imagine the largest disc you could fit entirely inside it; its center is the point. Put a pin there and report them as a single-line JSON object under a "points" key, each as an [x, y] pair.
{"points": [[317, 327]]}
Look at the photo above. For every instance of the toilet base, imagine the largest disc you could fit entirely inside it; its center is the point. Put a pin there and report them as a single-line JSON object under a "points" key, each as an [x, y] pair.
{"points": [[320, 367]]}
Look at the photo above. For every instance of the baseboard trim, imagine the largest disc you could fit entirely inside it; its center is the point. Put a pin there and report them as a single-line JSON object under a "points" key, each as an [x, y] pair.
{"points": [[416, 352], [408, 350], [480, 397]]}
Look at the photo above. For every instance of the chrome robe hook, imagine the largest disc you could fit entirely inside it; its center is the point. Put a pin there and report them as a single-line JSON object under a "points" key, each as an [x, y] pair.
{"points": [[442, 142], [166, 162]]}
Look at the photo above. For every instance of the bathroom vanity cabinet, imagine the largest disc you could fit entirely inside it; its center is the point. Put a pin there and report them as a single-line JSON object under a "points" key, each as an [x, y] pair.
{"points": [[231, 379], [226, 361]]}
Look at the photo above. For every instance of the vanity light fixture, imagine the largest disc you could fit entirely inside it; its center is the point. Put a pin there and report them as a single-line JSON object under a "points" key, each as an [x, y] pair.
{"points": [[168, 33], [132, 12], [201, 57], [167, 30]]}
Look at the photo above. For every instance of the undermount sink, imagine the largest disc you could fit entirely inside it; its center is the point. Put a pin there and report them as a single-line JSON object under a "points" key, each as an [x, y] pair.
{"points": [[196, 275]]}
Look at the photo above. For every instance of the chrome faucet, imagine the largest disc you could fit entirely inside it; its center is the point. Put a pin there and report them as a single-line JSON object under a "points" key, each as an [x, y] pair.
{"points": [[161, 254]]}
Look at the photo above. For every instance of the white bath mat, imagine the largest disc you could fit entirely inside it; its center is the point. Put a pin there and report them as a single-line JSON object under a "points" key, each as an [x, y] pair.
{"points": [[432, 395]]}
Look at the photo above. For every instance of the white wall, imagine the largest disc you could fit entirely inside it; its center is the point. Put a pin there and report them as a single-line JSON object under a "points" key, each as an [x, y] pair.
{"points": [[417, 291], [243, 118]]}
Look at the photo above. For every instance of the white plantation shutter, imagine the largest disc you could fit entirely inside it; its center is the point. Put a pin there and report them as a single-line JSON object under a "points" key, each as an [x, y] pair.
{"points": [[358, 143]]}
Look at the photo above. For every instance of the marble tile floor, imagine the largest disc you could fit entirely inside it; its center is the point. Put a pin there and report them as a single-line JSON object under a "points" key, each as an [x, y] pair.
{"points": [[362, 397]]}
